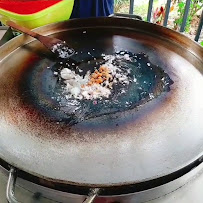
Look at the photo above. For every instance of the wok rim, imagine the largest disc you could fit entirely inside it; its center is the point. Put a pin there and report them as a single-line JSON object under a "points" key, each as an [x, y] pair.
{"points": [[109, 190], [40, 30], [195, 49]]}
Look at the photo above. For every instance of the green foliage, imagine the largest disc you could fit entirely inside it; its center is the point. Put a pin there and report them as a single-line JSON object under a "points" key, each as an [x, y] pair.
{"points": [[201, 43], [118, 4], [195, 6], [120, 1], [122, 6]]}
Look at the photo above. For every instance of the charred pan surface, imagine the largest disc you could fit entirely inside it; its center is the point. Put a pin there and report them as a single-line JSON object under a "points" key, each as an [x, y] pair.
{"points": [[36, 90], [42, 90], [126, 147]]}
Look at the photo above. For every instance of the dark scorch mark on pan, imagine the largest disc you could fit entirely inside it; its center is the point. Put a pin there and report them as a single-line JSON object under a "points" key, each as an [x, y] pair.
{"points": [[43, 90]]}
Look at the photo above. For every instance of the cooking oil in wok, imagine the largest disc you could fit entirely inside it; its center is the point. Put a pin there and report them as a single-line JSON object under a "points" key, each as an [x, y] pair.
{"points": [[44, 89], [145, 82]]}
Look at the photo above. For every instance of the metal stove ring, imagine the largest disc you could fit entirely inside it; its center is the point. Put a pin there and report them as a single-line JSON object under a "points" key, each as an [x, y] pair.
{"points": [[10, 189]]}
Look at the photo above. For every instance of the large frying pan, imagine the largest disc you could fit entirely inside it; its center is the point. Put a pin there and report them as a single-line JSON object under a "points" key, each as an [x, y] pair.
{"points": [[157, 139]]}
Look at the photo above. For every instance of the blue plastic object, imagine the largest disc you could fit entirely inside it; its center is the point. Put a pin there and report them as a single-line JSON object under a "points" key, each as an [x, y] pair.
{"points": [[92, 8]]}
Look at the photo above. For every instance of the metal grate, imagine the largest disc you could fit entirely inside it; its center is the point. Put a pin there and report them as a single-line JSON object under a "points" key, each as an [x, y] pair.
{"points": [[187, 7], [168, 5], [149, 13], [131, 7], [199, 28]]}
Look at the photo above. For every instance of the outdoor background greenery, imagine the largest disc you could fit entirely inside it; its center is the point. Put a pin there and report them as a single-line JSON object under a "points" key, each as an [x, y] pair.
{"points": [[175, 17]]}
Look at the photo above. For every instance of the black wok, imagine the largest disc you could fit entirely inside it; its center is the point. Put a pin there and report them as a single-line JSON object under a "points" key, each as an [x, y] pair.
{"points": [[128, 147]]}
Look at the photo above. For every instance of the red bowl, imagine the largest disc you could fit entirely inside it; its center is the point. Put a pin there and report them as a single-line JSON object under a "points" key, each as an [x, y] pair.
{"points": [[25, 7]]}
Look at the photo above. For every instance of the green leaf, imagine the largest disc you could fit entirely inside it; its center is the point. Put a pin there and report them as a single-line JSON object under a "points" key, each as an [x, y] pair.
{"points": [[181, 5], [201, 43]]}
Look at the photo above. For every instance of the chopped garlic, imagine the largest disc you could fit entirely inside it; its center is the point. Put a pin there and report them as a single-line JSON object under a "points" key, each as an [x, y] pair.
{"points": [[98, 84]]}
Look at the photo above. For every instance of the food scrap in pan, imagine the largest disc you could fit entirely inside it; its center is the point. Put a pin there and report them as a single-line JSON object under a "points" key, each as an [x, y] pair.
{"points": [[94, 85]]}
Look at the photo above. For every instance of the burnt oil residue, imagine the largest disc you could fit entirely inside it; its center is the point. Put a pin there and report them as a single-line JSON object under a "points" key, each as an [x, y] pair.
{"points": [[43, 88]]}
